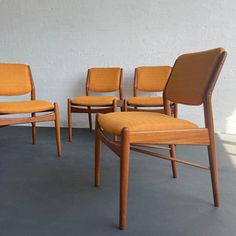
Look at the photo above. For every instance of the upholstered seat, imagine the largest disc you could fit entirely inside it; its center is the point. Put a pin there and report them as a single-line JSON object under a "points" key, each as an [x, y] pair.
{"points": [[141, 121], [146, 101], [20, 107], [93, 100]]}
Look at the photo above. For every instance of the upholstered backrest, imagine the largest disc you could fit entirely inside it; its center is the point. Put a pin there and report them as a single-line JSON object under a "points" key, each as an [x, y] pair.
{"points": [[192, 75], [14, 79], [104, 79], [151, 78]]}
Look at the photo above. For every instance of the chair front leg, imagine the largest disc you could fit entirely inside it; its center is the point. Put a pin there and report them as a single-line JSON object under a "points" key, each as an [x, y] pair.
{"points": [[124, 175], [97, 154], [214, 173], [173, 163], [57, 128], [69, 119], [33, 130]]}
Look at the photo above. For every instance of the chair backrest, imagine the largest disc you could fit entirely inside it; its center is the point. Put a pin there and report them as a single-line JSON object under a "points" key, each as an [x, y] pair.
{"points": [[104, 79], [151, 78], [15, 79], [193, 76]]}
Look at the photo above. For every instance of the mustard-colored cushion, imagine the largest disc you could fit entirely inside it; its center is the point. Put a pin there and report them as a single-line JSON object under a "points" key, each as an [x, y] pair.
{"points": [[141, 121], [104, 79], [14, 79], [146, 101], [93, 100], [25, 107]]}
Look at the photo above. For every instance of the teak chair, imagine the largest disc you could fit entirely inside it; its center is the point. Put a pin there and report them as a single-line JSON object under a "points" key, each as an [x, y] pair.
{"points": [[99, 80], [150, 79], [16, 79], [191, 83]]}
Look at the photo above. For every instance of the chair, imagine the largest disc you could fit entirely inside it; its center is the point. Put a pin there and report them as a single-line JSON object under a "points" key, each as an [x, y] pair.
{"points": [[99, 80], [150, 79], [16, 79], [191, 82]]}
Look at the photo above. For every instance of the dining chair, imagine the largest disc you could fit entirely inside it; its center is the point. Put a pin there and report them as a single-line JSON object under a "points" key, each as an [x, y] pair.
{"points": [[16, 80], [99, 80], [150, 79], [191, 82]]}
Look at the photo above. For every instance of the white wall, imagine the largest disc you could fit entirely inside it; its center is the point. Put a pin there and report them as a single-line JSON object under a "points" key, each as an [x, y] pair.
{"points": [[61, 39]]}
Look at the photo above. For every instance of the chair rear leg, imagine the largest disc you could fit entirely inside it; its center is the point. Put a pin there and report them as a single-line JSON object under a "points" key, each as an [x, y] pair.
{"points": [[214, 173], [69, 120], [90, 121], [173, 163], [97, 156], [33, 130], [124, 175], [57, 128], [175, 110]]}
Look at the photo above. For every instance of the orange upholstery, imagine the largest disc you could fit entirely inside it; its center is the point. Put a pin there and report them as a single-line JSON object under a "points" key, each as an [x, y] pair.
{"points": [[14, 79], [104, 79], [93, 100], [25, 107], [145, 101], [152, 78], [141, 121], [190, 77]]}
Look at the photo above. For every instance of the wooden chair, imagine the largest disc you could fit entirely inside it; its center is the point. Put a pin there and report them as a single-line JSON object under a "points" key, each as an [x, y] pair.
{"points": [[150, 79], [16, 79], [99, 80], [191, 83]]}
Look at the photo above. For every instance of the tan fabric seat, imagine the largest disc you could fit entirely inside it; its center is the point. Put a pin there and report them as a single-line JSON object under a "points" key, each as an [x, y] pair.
{"points": [[146, 101], [141, 121], [93, 100], [18, 107]]}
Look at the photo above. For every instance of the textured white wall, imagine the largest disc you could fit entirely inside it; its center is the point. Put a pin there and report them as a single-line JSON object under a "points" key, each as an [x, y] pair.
{"points": [[61, 39]]}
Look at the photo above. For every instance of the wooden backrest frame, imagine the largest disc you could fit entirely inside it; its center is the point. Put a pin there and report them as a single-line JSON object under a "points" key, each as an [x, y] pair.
{"points": [[120, 84]]}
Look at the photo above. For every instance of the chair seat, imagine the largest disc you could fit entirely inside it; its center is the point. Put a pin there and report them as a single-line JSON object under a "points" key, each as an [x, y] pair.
{"points": [[145, 101], [93, 100], [19, 107], [141, 121]]}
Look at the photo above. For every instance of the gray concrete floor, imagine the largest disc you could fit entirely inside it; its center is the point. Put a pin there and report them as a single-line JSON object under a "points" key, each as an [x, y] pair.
{"points": [[42, 195]]}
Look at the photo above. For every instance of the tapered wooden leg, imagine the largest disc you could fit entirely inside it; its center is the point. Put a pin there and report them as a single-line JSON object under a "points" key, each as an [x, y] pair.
{"points": [[69, 120], [175, 110], [214, 173], [57, 127], [97, 155], [124, 175], [173, 163], [125, 105], [33, 130], [90, 121]]}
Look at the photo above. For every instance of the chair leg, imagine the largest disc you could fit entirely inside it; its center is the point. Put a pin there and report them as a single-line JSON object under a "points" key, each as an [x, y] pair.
{"points": [[175, 110], [173, 163], [33, 130], [69, 120], [97, 156], [124, 175], [57, 128], [90, 121], [214, 173]]}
